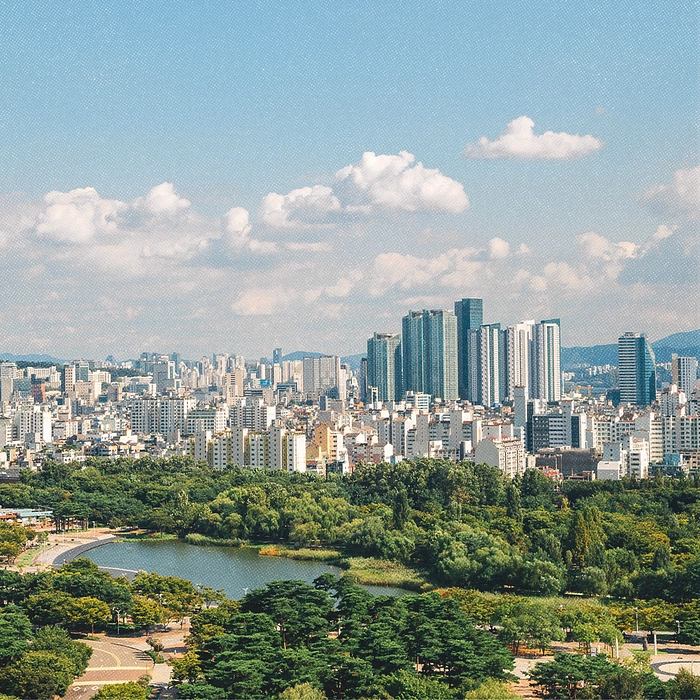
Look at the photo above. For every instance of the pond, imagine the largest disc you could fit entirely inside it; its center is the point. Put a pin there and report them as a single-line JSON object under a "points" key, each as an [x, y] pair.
{"points": [[235, 570]]}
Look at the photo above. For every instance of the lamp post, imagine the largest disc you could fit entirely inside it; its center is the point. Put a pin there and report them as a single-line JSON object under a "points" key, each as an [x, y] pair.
{"points": [[118, 612], [636, 619]]}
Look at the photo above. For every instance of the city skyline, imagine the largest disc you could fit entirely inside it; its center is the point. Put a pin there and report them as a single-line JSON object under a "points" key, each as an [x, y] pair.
{"points": [[248, 177]]}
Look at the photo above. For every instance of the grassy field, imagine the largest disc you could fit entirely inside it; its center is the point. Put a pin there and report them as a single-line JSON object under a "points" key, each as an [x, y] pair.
{"points": [[26, 558], [380, 572]]}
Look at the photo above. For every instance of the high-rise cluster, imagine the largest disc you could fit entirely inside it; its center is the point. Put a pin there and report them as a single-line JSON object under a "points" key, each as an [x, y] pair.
{"points": [[455, 355]]}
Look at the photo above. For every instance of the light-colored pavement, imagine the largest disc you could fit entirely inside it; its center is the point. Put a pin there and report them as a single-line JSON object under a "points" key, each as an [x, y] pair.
{"points": [[59, 546], [123, 659], [666, 666], [114, 660]]}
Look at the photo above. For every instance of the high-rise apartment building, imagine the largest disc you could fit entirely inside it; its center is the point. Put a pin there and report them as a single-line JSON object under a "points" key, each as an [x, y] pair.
{"points": [[413, 350], [546, 360], [384, 366], [684, 372], [430, 353], [322, 374], [486, 366], [636, 370], [517, 351], [470, 315]]}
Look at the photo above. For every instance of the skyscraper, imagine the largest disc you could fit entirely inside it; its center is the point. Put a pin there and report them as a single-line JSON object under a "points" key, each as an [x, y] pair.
{"points": [[413, 342], [636, 366], [546, 360], [441, 354], [517, 350], [429, 342], [470, 315], [486, 365], [277, 356], [384, 365], [684, 373]]}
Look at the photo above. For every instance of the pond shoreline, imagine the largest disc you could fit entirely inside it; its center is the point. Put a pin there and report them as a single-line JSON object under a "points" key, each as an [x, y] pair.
{"points": [[233, 569], [61, 556]]}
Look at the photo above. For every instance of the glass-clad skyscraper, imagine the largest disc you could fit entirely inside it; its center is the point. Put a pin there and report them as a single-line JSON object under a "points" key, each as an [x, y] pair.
{"points": [[470, 315], [384, 366], [636, 368], [429, 342]]}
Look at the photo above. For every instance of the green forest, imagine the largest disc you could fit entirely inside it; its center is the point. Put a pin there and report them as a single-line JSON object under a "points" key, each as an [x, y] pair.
{"points": [[330, 639], [454, 525]]}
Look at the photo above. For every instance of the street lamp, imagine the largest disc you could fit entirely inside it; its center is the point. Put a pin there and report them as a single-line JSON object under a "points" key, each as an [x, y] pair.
{"points": [[118, 613], [636, 619]]}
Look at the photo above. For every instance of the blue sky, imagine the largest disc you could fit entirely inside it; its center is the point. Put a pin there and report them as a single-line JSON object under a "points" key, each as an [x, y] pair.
{"points": [[220, 104]]}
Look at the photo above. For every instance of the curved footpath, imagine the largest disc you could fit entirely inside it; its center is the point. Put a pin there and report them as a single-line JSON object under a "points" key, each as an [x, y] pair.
{"points": [[65, 548]]}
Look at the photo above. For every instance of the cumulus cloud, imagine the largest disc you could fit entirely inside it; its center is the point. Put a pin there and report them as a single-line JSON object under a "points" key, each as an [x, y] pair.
{"points": [[76, 216], [679, 198], [306, 206], [162, 200], [597, 247], [237, 224], [260, 302], [395, 182], [520, 141], [604, 265], [454, 268], [563, 276], [498, 248]]}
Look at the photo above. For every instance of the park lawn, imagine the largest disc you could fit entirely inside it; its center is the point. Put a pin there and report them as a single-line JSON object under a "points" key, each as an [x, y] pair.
{"points": [[26, 558]]}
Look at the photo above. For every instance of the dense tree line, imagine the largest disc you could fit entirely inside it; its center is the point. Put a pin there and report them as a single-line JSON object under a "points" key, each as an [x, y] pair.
{"points": [[462, 525], [331, 639], [37, 663], [80, 597], [337, 638]]}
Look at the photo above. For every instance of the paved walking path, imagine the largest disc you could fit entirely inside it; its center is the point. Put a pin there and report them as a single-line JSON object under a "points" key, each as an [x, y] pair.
{"points": [[123, 659], [65, 547]]}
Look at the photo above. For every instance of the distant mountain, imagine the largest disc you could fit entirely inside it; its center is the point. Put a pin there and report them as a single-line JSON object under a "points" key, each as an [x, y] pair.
{"points": [[690, 339], [680, 343], [355, 361], [594, 355], [352, 360], [300, 355], [9, 357]]}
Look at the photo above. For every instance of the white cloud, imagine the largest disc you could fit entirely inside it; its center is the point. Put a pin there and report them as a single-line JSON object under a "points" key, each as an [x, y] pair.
{"points": [[520, 141], [498, 248], [237, 224], [261, 302], [300, 208], [566, 277], [454, 268], [394, 182], [76, 216], [594, 246], [238, 228], [162, 200], [681, 197]]}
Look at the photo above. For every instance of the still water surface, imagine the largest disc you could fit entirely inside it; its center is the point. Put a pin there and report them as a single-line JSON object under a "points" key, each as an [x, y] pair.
{"points": [[229, 568]]}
